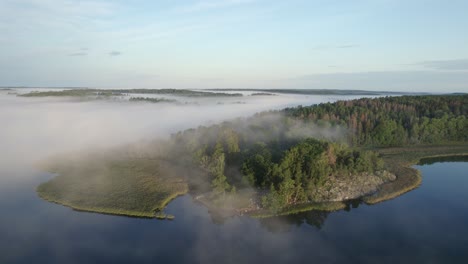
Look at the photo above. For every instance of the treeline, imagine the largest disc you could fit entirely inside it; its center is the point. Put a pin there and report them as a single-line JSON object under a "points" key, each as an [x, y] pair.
{"points": [[152, 100], [392, 121], [289, 155], [303, 169], [178, 92], [287, 170], [120, 92], [71, 93]]}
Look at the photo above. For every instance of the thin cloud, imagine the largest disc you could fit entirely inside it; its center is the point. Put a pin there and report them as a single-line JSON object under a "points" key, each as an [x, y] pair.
{"points": [[348, 46], [208, 5], [320, 47], [415, 81], [211, 79], [449, 65], [115, 53], [58, 14], [343, 46], [77, 54]]}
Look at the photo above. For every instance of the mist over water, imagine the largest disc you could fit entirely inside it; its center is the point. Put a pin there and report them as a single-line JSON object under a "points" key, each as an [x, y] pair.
{"points": [[34, 128], [425, 225]]}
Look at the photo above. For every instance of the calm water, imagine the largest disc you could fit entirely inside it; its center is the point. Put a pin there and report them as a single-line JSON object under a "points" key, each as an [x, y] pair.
{"points": [[427, 225]]}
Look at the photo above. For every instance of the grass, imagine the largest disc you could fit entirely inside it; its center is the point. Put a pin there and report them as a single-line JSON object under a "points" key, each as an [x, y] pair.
{"points": [[135, 187], [141, 187], [399, 161], [240, 203], [161, 215]]}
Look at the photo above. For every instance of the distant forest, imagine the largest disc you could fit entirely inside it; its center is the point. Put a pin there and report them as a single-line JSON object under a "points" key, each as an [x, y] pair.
{"points": [[394, 121]]}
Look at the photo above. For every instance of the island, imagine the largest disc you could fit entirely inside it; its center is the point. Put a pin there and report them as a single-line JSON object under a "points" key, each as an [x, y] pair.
{"points": [[274, 163], [316, 91], [106, 93], [152, 100]]}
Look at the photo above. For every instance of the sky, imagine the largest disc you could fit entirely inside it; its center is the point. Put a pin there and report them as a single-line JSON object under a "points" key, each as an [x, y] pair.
{"points": [[395, 45]]}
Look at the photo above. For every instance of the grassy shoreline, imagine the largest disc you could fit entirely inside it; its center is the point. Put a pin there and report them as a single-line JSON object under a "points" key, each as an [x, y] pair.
{"points": [[135, 188], [299, 208], [399, 161], [157, 212], [151, 188]]}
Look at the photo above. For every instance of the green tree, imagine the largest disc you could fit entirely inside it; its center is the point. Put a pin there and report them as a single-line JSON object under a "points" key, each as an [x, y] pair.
{"points": [[220, 184]]}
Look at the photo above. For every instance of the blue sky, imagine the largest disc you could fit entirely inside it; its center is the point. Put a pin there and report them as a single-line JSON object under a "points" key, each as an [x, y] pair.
{"points": [[410, 45]]}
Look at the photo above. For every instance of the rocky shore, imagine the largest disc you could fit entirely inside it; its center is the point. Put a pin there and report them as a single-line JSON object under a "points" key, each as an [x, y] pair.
{"points": [[342, 188]]}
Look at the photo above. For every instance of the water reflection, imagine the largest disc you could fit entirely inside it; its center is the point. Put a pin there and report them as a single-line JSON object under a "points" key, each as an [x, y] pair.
{"points": [[425, 225], [312, 218], [429, 161], [285, 223]]}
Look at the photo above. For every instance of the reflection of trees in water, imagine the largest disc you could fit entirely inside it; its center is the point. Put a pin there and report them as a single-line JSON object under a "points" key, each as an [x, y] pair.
{"points": [[286, 222], [312, 218], [352, 204], [430, 161], [316, 218], [217, 218]]}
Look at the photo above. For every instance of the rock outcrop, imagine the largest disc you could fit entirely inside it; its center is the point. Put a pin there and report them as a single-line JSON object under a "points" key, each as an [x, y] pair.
{"points": [[347, 187]]}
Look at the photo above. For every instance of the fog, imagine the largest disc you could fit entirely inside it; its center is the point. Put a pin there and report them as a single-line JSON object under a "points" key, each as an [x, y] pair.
{"points": [[38, 129], [33, 129]]}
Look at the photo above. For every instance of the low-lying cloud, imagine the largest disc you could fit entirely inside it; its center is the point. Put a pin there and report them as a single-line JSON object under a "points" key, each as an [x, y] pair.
{"points": [[115, 53], [448, 65], [340, 46], [77, 54], [36, 128]]}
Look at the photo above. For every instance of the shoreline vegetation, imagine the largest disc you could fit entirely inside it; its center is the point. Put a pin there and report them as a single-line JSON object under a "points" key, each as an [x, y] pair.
{"points": [[318, 157], [124, 186], [400, 161], [317, 91], [156, 213], [408, 179], [152, 100]]}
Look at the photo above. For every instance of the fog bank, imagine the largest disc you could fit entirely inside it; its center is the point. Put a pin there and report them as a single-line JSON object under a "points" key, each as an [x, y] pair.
{"points": [[36, 128]]}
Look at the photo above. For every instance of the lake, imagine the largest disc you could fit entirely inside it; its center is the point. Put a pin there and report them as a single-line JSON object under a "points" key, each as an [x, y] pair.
{"points": [[425, 225]]}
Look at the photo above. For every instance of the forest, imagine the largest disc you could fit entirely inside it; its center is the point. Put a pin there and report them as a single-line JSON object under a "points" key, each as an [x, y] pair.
{"points": [[267, 153], [152, 100], [120, 92], [273, 163], [393, 121]]}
